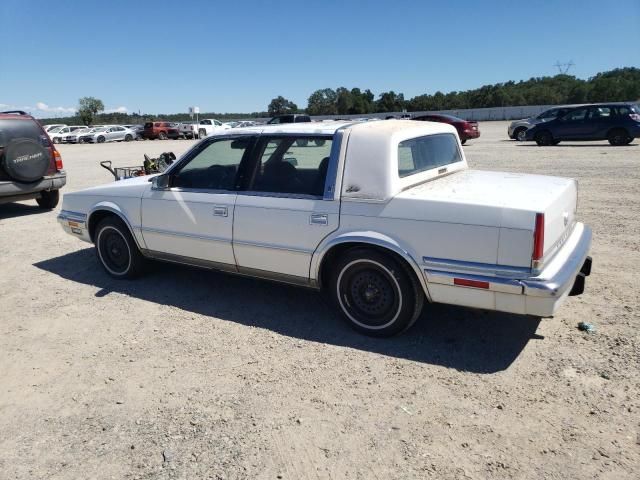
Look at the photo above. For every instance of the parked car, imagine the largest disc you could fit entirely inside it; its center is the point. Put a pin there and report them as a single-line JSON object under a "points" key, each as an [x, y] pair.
{"points": [[188, 129], [466, 129], [30, 165], [73, 137], [289, 118], [619, 123], [245, 123], [137, 129], [58, 135], [48, 128], [109, 133], [518, 128], [381, 216], [209, 125], [160, 130]]}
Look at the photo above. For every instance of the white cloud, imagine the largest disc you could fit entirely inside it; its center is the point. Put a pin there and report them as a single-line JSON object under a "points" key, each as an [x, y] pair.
{"points": [[41, 109]]}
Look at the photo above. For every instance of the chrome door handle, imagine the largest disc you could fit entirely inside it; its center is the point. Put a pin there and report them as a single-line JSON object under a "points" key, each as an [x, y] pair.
{"points": [[319, 219], [220, 211]]}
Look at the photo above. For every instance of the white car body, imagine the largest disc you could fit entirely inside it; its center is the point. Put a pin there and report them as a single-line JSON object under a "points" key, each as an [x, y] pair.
{"points": [[49, 128], [208, 126], [58, 135], [468, 236]]}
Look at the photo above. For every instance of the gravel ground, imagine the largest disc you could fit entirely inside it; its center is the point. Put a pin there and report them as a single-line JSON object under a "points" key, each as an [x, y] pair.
{"points": [[191, 374]]}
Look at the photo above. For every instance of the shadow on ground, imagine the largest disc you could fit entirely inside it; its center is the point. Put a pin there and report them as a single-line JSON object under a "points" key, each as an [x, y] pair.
{"points": [[11, 210], [463, 339]]}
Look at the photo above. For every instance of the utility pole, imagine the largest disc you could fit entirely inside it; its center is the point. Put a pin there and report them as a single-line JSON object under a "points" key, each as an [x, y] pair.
{"points": [[563, 68]]}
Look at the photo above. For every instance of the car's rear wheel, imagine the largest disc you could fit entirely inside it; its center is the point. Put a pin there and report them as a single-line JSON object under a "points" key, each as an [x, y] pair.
{"points": [[48, 200], [117, 250], [100, 139], [55, 140], [463, 141], [202, 134], [619, 137], [319, 142], [544, 138], [520, 134], [375, 294], [162, 136], [128, 138]]}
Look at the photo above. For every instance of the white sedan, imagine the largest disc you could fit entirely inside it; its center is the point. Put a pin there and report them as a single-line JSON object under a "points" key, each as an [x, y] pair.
{"points": [[383, 216]]}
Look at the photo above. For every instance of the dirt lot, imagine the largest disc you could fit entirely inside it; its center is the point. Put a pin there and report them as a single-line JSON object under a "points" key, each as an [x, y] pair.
{"points": [[194, 374]]}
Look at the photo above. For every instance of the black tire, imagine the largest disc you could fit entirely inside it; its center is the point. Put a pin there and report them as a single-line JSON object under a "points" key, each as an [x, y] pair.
{"points": [[520, 134], [100, 139], [303, 142], [320, 142], [618, 137], [202, 133], [463, 141], [116, 249], [375, 294], [162, 136], [56, 140], [48, 200], [556, 142], [544, 138], [128, 138], [26, 160]]}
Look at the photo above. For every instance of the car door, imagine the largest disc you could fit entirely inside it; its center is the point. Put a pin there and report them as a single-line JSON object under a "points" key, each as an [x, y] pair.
{"points": [[284, 213], [599, 121], [571, 126], [190, 219], [117, 133]]}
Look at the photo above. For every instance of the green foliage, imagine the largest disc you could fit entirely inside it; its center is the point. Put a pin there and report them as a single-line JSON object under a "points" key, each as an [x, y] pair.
{"points": [[322, 102], [88, 107], [281, 105]]}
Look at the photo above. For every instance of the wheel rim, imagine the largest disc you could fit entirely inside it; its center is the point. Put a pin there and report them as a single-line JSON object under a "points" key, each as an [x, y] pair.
{"points": [[522, 135], [369, 294], [114, 251]]}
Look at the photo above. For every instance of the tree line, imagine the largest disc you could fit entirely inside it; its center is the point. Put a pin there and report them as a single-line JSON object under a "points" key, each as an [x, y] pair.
{"points": [[621, 84]]}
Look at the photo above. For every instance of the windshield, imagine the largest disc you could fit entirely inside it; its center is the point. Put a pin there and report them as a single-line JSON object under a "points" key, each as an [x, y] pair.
{"points": [[424, 153]]}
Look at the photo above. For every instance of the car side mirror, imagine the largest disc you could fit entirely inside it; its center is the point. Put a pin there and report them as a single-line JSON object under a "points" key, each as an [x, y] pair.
{"points": [[160, 182]]}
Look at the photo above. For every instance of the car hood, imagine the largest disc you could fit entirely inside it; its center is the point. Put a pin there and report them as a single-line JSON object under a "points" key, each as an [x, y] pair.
{"points": [[131, 187]]}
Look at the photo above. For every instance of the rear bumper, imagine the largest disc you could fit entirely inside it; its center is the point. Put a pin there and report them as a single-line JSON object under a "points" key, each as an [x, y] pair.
{"points": [[511, 289], [468, 134], [16, 189]]}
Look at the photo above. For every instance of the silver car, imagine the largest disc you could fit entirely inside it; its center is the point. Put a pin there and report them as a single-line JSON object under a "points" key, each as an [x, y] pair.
{"points": [[111, 133], [518, 128]]}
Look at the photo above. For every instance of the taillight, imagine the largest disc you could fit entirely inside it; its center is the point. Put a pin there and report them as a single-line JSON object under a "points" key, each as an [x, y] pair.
{"points": [[635, 116], [538, 238], [58, 158]]}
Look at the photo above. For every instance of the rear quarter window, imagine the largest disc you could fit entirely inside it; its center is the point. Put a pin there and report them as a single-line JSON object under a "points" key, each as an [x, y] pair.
{"points": [[425, 153]]}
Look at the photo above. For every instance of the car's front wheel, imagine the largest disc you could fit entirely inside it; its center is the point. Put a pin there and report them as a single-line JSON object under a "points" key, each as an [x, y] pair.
{"points": [[375, 294], [544, 138], [128, 138], [117, 250], [162, 136], [48, 200], [520, 134], [100, 139]]}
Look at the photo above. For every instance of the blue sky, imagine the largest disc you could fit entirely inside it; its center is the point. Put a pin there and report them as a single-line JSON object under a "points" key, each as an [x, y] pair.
{"points": [[235, 56]]}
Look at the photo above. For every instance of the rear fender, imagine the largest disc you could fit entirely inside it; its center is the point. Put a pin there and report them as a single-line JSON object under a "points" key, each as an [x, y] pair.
{"points": [[374, 239]]}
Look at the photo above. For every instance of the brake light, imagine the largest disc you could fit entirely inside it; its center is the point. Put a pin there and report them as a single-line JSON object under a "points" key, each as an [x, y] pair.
{"points": [[58, 159], [635, 116], [538, 238]]}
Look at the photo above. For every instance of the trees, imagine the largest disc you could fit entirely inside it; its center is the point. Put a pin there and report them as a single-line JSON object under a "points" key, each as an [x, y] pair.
{"points": [[391, 102], [281, 105], [322, 102], [88, 108]]}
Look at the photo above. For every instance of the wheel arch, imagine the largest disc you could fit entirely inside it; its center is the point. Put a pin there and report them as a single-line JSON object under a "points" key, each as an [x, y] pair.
{"points": [[106, 209], [333, 247]]}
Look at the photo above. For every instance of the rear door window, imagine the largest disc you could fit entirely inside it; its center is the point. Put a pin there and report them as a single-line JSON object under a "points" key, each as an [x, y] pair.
{"points": [[424, 153]]}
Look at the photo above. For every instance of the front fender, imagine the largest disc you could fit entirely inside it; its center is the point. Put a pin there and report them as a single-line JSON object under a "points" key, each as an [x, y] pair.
{"points": [[123, 214], [376, 239]]}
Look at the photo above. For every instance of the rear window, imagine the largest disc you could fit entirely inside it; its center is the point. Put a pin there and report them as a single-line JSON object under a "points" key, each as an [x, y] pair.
{"points": [[424, 153], [11, 129]]}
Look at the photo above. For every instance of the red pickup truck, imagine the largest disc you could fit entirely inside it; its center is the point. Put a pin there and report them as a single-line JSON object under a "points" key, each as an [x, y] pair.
{"points": [[160, 130]]}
